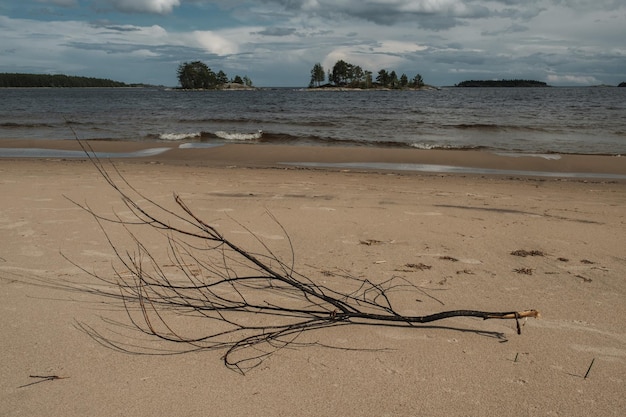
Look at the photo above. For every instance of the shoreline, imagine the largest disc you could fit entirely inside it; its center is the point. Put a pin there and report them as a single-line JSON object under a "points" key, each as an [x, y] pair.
{"points": [[478, 162]]}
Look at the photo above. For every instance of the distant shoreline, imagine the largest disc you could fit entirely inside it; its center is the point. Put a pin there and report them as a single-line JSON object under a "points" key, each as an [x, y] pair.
{"points": [[17, 80], [502, 83]]}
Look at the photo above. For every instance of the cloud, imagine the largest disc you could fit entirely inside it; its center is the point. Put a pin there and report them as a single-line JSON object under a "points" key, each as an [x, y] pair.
{"points": [[118, 28], [145, 6], [390, 55], [214, 43], [430, 14], [584, 5], [80, 48], [276, 42], [514, 28], [572, 79], [276, 31]]}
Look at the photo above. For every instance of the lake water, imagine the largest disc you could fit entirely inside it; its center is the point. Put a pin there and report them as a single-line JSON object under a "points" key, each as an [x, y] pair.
{"points": [[527, 120]]}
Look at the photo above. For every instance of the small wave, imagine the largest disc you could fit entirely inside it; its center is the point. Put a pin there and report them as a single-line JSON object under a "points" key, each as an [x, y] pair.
{"points": [[287, 139], [221, 120], [237, 136], [478, 126], [489, 127], [178, 136], [312, 140], [11, 124], [15, 125], [434, 146], [425, 146]]}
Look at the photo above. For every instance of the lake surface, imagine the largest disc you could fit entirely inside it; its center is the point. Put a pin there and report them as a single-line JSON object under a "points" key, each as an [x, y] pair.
{"points": [[583, 120]]}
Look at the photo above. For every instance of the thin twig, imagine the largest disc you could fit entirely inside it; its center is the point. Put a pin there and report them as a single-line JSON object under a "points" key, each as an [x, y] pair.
{"points": [[589, 369], [43, 378]]}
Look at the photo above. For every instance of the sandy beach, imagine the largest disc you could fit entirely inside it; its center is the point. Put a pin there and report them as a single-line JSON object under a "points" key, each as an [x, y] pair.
{"points": [[466, 230]]}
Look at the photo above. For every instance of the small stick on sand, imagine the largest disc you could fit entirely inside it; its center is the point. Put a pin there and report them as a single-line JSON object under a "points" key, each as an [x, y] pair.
{"points": [[589, 369], [43, 378]]}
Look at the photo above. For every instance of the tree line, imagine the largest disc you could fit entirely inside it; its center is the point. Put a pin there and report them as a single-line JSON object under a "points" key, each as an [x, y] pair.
{"points": [[54, 80], [344, 74], [197, 75]]}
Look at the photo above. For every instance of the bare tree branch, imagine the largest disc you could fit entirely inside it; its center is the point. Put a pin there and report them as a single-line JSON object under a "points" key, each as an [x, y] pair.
{"points": [[249, 304]]}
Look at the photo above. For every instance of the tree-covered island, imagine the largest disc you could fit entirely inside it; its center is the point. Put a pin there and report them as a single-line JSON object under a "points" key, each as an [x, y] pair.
{"points": [[346, 75], [197, 75]]}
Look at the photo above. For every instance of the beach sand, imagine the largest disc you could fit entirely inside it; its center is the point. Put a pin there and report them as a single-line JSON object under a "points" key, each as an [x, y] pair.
{"points": [[368, 223]]}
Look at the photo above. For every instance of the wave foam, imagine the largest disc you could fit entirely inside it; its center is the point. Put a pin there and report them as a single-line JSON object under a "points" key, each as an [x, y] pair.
{"points": [[239, 136], [435, 146], [178, 136], [426, 146]]}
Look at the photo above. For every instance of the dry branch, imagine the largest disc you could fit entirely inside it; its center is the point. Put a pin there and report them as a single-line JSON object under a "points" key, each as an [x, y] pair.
{"points": [[247, 303]]}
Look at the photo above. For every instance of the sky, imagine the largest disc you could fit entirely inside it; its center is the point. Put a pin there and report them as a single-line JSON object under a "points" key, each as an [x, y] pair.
{"points": [[276, 43]]}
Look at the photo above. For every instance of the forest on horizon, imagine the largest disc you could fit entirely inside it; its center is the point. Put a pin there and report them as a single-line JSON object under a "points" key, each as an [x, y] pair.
{"points": [[55, 80]]}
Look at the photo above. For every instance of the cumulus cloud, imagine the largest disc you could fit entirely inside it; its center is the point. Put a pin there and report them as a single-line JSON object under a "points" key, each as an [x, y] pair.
{"points": [[390, 55], [214, 43], [358, 56]]}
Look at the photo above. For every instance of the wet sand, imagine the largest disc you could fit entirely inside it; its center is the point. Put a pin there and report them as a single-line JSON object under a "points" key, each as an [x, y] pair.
{"points": [[387, 159]]}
